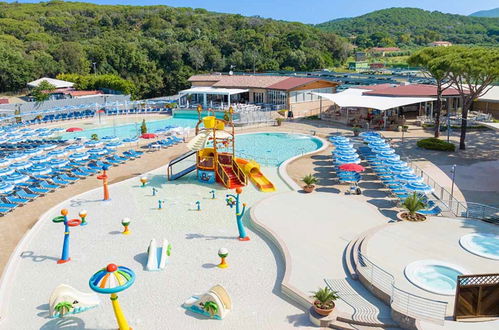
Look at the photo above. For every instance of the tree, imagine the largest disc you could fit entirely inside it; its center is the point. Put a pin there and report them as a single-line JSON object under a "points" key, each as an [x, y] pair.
{"points": [[428, 58], [472, 71], [211, 307], [63, 308], [42, 92], [143, 127]]}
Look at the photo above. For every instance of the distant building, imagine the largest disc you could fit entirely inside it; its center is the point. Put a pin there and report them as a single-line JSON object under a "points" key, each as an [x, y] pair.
{"points": [[382, 51], [358, 66], [376, 65], [440, 44], [489, 102], [55, 82], [360, 56]]}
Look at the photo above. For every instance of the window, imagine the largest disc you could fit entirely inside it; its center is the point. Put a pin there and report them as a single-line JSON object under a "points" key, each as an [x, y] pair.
{"points": [[257, 97], [276, 97]]}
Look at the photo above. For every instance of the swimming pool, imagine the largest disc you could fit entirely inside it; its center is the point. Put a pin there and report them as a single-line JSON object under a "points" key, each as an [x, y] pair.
{"points": [[131, 130], [434, 276], [484, 245]]}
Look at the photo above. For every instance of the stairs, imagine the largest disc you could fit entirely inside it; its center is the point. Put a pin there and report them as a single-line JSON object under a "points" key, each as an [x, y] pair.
{"points": [[234, 181]]}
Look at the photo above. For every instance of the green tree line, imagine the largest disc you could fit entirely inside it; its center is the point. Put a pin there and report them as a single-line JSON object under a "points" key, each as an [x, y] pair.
{"points": [[156, 48]]}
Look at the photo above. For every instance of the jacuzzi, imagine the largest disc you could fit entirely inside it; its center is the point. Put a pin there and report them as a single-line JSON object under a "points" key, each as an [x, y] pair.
{"points": [[483, 245], [434, 276]]}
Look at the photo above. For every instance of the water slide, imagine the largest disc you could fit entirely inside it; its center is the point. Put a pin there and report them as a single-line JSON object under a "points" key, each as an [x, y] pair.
{"points": [[252, 170], [199, 141], [157, 258]]}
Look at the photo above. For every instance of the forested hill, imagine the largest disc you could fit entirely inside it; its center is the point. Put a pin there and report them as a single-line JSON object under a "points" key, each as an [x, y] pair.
{"points": [[156, 47], [487, 13], [412, 26]]}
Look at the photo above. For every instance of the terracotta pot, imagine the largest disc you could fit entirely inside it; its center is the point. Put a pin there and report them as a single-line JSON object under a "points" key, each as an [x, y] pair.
{"points": [[401, 218], [309, 189], [323, 312]]}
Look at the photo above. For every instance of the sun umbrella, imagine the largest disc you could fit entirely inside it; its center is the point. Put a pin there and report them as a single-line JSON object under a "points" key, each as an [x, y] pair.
{"points": [[74, 129], [41, 130], [398, 169], [383, 150], [130, 140], [342, 143], [93, 144], [75, 147], [385, 156], [6, 171], [148, 136], [57, 129], [113, 145], [97, 151], [58, 153], [40, 158], [408, 177], [45, 134], [338, 138], [17, 140], [34, 151], [79, 156], [48, 146], [369, 133], [21, 165], [6, 188], [350, 167], [59, 163], [371, 139], [348, 159], [420, 187], [39, 169], [378, 144], [110, 139], [16, 178], [342, 153], [4, 161], [391, 162]]}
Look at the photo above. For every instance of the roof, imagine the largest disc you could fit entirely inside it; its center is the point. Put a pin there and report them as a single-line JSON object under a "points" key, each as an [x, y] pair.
{"points": [[56, 82], [254, 81], [492, 95], [441, 42], [4, 101], [354, 98], [212, 90], [412, 90], [385, 49], [82, 93], [374, 87]]}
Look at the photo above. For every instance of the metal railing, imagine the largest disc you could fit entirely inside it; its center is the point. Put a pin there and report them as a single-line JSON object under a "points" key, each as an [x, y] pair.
{"points": [[401, 301]]}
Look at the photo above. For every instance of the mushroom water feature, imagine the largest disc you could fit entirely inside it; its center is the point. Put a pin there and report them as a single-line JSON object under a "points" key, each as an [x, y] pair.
{"points": [[83, 216], [126, 222], [67, 223], [111, 280], [104, 178], [143, 180], [223, 253], [233, 200]]}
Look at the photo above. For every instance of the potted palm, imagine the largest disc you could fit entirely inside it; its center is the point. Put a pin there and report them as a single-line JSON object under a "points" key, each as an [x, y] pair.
{"points": [[412, 204], [279, 121], [356, 131], [324, 301], [310, 180]]}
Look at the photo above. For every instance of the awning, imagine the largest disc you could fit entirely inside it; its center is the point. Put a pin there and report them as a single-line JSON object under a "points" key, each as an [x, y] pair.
{"points": [[353, 98], [213, 91]]}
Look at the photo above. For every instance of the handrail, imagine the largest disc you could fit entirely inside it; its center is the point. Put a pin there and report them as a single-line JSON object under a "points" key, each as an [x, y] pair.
{"points": [[239, 172], [222, 174], [401, 301]]}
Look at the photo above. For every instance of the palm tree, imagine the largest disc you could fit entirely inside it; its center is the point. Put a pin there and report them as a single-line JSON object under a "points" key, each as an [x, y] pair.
{"points": [[413, 204], [63, 308], [211, 307]]}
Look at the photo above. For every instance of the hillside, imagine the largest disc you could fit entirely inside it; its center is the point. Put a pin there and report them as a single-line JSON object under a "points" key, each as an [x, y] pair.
{"points": [[155, 47], [412, 26], [487, 13]]}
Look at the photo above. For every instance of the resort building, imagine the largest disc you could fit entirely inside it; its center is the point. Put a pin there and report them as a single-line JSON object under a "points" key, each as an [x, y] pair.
{"points": [[440, 44], [382, 51], [489, 102], [265, 92]]}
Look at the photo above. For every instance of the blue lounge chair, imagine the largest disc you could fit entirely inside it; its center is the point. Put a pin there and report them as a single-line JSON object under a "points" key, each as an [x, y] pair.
{"points": [[15, 200], [38, 190], [23, 194], [434, 211], [68, 178], [4, 211], [46, 185]]}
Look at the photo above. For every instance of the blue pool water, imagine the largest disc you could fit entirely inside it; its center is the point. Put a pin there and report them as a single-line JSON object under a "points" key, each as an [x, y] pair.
{"points": [[132, 130], [434, 276], [482, 244]]}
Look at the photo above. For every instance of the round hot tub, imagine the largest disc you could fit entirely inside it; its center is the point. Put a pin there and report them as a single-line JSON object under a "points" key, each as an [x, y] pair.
{"points": [[483, 245], [434, 276]]}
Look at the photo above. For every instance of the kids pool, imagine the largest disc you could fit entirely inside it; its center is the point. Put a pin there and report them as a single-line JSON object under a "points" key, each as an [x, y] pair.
{"points": [[434, 276], [484, 245]]}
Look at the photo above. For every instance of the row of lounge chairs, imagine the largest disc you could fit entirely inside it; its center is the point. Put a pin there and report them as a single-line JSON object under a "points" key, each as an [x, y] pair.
{"points": [[63, 116], [164, 143], [115, 112]]}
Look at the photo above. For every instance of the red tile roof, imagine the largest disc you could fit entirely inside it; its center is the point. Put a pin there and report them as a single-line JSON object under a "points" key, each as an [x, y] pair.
{"points": [[413, 90], [385, 49], [83, 93], [375, 87], [4, 101], [292, 82]]}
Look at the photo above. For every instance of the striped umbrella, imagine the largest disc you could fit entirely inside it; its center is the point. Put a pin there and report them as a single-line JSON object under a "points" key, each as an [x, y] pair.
{"points": [[40, 169], [6, 188], [408, 177], [6, 171], [21, 165], [383, 150], [112, 279], [34, 151], [378, 144], [93, 144], [42, 129], [385, 156], [79, 156], [338, 138], [370, 134], [131, 140], [110, 138], [45, 134], [75, 147], [97, 151], [113, 145], [58, 153], [48, 146], [398, 169], [391, 162], [419, 187], [40, 158], [4, 161], [371, 139], [16, 156], [58, 129], [342, 143], [342, 153], [16, 140], [16, 178], [57, 163], [348, 159]]}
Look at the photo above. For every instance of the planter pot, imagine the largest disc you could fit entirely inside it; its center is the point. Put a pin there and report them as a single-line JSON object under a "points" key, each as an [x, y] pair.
{"points": [[308, 189], [323, 312], [279, 122], [405, 129], [403, 216], [356, 133]]}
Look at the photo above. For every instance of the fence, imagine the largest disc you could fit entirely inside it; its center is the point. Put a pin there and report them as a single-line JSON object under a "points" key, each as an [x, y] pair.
{"points": [[401, 301]]}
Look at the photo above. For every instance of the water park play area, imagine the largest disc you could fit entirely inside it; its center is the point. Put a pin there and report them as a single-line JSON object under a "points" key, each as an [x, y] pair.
{"points": [[221, 237]]}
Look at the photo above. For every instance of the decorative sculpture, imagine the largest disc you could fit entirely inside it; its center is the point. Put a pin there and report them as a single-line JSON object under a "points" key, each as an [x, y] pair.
{"points": [[67, 223], [125, 222], [83, 216], [223, 253], [104, 178], [66, 300], [233, 200]]}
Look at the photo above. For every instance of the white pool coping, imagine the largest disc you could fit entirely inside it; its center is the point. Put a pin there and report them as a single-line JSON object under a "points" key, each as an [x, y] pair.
{"points": [[467, 244]]}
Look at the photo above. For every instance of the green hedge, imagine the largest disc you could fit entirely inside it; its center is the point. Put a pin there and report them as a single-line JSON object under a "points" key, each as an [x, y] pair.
{"points": [[436, 144]]}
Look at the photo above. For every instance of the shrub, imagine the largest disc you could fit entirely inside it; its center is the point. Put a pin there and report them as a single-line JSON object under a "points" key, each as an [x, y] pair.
{"points": [[436, 144]]}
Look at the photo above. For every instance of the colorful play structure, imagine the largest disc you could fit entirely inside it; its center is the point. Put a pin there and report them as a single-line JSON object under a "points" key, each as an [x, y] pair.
{"points": [[125, 222], [111, 280], [215, 303], [67, 223], [104, 178], [158, 257], [223, 254], [233, 200], [66, 301], [214, 147]]}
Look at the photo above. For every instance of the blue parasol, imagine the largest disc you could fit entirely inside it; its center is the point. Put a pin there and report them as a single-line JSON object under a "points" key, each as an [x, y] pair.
{"points": [[391, 162], [58, 153], [21, 165], [385, 156], [79, 156], [399, 169], [59, 163], [40, 158], [39, 169], [97, 151], [6, 171], [419, 187], [34, 151], [75, 147], [6, 188], [408, 177], [383, 150], [16, 178], [113, 145], [4, 161]]}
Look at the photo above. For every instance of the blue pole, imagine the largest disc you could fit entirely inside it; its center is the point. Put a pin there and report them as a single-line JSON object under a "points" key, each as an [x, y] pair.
{"points": [[65, 245]]}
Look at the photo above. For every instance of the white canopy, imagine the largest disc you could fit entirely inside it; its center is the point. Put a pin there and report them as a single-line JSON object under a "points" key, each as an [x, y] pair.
{"points": [[56, 82], [213, 91], [353, 98]]}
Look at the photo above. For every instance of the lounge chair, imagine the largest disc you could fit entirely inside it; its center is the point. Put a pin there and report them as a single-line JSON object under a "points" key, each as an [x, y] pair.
{"points": [[15, 200], [24, 194], [4, 211], [68, 178], [434, 211], [46, 185], [60, 182], [38, 190]]}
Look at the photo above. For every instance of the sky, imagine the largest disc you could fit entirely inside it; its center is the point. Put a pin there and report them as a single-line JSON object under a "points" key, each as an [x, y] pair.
{"points": [[312, 12]]}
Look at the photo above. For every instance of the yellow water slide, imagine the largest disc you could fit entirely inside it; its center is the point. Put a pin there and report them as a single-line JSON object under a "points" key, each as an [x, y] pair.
{"points": [[252, 170]]}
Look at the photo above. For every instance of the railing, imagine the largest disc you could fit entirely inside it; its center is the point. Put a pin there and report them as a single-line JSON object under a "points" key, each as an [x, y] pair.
{"points": [[222, 174], [401, 301], [239, 172]]}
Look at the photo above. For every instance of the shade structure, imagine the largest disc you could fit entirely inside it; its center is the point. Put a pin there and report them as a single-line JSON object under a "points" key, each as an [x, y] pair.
{"points": [[342, 153], [408, 177], [371, 139], [351, 167], [93, 144], [57, 129], [342, 143], [40, 158], [131, 140], [39, 169], [110, 139], [6, 171], [16, 156], [370, 134], [378, 145], [48, 146], [34, 151], [21, 165], [4, 161], [42, 129], [6, 188], [148, 136], [385, 156], [16, 178], [419, 187], [341, 161], [112, 279], [45, 134], [58, 153], [398, 169], [391, 162], [97, 151], [79, 156], [17, 140], [338, 138], [113, 145], [75, 147], [57, 163], [74, 129], [383, 150]]}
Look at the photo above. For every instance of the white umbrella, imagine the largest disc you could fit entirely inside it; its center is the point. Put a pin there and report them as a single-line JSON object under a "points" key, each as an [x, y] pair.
{"points": [[34, 151], [48, 146], [4, 161], [79, 156], [97, 151], [57, 163], [408, 177], [21, 165], [6, 188], [58, 153], [419, 187], [16, 178], [39, 169], [40, 158], [75, 147], [93, 144], [6, 171]]}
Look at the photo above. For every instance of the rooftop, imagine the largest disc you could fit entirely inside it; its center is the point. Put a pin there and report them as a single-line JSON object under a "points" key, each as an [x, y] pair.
{"points": [[254, 81], [413, 90], [56, 82]]}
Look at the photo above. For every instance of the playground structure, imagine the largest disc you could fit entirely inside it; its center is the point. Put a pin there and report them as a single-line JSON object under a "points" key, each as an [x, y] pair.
{"points": [[104, 178], [223, 254], [66, 300], [233, 200], [157, 258], [215, 303], [67, 223]]}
